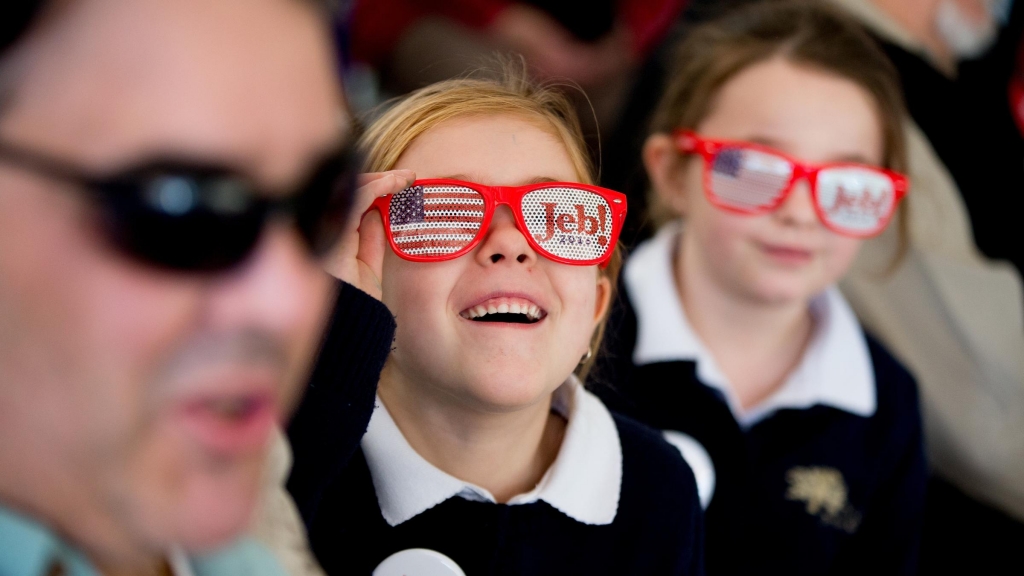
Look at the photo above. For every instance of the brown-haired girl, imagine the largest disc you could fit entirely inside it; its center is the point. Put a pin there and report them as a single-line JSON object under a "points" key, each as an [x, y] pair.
{"points": [[485, 454], [778, 144]]}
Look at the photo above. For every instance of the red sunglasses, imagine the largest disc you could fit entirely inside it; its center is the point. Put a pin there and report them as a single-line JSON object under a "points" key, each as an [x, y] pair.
{"points": [[442, 219], [850, 199]]}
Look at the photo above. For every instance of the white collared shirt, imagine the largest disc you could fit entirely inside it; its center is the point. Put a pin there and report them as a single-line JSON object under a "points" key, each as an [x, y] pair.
{"points": [[583, 482], [835, 370]]}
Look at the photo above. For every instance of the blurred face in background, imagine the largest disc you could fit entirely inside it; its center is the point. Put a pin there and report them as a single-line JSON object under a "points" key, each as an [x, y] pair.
{"points": [[969, 27], [788, 255], [136, 404]]}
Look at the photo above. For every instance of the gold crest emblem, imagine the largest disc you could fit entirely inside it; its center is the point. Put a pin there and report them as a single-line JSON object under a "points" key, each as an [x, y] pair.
{"points": [[824, 494]]}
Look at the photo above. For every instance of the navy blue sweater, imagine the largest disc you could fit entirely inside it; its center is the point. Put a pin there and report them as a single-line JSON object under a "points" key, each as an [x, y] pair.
{"points": [[657, 529], [338, 401], [779, 505]]}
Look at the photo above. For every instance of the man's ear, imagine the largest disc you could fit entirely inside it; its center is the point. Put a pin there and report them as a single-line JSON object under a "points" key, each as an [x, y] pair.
{"points": [[666, 171]]}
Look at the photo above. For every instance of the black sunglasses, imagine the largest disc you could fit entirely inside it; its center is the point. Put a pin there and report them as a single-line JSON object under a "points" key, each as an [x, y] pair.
{"points": [[15, 19], [197, 217]]}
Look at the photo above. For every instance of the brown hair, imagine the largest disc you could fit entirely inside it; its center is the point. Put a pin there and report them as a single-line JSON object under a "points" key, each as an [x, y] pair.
{"points": [[510, 93], [803, 32]]}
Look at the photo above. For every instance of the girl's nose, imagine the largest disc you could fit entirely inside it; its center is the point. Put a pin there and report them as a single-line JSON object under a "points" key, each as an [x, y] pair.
{"points": [[503, 242], [798, 208]]}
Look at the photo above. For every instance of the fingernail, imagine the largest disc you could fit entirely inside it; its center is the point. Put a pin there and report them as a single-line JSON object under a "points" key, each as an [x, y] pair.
{"points": [[408, 175]]}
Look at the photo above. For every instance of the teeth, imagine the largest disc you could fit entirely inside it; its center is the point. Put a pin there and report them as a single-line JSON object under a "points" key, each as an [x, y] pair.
{"points": [[532, 311]]}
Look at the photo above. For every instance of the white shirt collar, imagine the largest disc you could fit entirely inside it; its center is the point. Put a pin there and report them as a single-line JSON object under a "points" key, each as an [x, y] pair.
{"points": [[583, 482], [836, 368]]}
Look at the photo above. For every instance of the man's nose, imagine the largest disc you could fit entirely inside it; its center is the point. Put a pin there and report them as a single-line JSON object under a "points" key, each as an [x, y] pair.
{"points": [[504, 242], [279, 290]]}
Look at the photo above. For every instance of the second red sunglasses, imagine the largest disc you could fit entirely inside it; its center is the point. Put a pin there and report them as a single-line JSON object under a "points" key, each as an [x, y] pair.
{"points": [[442, 219], [851, 199]]}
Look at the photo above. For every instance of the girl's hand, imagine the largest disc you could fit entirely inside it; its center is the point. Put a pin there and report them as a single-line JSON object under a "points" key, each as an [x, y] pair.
{"points": [[359, 256]]}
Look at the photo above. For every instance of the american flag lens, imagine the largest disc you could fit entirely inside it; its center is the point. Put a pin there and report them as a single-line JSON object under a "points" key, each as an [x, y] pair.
{"points": [[569, 223], [435, 220], [857, 200], [749, 179]]}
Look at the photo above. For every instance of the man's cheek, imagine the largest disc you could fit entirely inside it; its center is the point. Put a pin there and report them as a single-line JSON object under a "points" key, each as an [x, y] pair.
{"points": [[137, 340], [216, 506], [171, 487], [147, 477]]}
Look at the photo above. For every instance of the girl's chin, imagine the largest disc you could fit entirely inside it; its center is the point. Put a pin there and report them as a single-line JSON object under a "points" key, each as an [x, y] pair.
{"points": [[783, 292], [509, 392]]}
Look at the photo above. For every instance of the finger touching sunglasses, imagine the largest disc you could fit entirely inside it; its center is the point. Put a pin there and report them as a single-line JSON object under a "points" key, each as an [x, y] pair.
{"points": [[190, 216], [852, 199], [443, 219]]}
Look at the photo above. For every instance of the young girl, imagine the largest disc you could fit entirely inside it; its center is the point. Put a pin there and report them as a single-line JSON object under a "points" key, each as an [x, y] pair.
{"points": [[776, 143], [485, 454]]}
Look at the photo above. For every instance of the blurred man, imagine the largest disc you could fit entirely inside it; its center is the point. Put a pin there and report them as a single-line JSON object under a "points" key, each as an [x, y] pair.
{"points": [[960, 100], [951, 314], [948, 30], [159, 297]]}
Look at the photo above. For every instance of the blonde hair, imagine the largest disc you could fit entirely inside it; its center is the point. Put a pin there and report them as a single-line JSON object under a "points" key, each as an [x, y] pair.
{"points": [[510, 93]]}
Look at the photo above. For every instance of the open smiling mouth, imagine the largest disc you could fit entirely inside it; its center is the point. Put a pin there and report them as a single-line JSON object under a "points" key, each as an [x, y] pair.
{"points": [[506, 310]]}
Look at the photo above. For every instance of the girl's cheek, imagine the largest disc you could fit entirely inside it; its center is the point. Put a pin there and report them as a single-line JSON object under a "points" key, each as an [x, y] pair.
{"points": [[725, 237], [412, 288], [842, 252], [576, 287]]}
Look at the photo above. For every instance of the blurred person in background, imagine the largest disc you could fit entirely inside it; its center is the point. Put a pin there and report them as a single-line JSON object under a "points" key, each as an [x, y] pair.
{"points": [[949, 311], [775, 150], [170, 171], [956, 69], [596, 44]]}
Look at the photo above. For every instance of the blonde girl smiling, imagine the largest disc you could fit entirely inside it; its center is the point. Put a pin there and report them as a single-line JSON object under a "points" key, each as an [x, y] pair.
{"points": [[485, 451]]}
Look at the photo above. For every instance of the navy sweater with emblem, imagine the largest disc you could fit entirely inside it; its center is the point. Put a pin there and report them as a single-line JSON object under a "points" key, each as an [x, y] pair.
{"points": [[657, 528], [803, 491]]}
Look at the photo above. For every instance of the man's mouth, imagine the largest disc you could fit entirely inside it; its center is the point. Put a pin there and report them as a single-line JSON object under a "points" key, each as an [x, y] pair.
{"points": [[233, 409], [231, 424], [507, 310]]}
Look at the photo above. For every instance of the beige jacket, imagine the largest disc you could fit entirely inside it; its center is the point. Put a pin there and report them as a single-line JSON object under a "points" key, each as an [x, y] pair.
{"points": [[953, 317], [277, 524]]}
